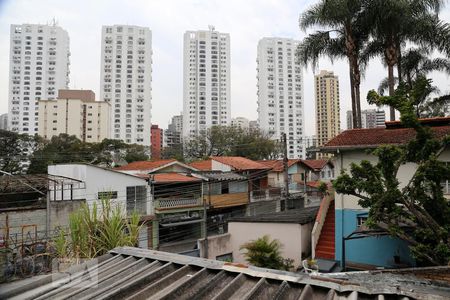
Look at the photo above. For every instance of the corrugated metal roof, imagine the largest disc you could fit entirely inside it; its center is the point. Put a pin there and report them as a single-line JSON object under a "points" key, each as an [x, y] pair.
{"points": [[134, 273], [294, 216]]}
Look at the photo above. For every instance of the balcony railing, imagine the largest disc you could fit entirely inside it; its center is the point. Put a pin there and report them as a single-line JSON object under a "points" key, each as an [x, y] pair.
{"points": [[168, 203], [265, 194]]}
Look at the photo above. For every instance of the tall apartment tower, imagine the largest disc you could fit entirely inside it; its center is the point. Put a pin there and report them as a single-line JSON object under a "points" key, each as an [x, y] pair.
{"points": [[126, 77], [280, 92], [328, 122], [39, 67], [370, 118], [206, 81]]}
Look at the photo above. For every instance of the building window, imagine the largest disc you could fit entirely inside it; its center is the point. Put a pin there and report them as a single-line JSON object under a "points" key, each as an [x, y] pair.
{"points": [[360, 220], [136, 199], [107, 195]]}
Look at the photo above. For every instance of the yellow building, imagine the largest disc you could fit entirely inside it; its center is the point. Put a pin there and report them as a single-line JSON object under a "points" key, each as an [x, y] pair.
{"points": [[328, 122], [75, 112]]}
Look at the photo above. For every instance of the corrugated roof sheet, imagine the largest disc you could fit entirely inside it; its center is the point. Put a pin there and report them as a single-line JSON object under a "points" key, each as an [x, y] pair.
{"points": [[294, 216], [239, 163], [134, 273], [144, 165]]}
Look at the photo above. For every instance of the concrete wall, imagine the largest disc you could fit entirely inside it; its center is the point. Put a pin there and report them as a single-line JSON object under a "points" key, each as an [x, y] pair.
{"points": [[290, 236], [217, 245], [60, 211]]}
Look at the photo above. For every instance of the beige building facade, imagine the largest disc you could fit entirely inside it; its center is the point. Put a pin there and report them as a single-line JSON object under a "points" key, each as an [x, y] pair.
{"points": [[75, 112], [328, 124]]}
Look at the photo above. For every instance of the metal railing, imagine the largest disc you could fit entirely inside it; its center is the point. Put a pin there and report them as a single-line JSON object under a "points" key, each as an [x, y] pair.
{"points": [[177, 202], [320, 220]]}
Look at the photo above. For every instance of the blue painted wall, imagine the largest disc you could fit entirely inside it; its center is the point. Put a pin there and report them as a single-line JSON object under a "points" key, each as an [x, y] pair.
{"points": [[377, 251]]}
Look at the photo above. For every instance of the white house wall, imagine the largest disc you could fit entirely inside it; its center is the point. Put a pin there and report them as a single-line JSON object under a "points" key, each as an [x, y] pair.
{"points": [[100, 180], [218, 166], [344, 161], [290, 236]]}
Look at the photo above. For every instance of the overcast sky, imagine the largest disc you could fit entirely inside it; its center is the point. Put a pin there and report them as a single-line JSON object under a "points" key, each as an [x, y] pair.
{"points": [[246, 21]]}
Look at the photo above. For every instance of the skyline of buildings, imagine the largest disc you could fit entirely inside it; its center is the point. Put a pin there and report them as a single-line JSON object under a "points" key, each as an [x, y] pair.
{"points": [[126, 67], [280, 92], [39, 67], [126, 77], [206, 80], [75, 112], [328, 122]]}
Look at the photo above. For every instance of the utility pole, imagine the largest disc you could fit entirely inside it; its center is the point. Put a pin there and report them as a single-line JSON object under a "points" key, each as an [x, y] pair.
{"points": [[285, 168], [205, 220]]}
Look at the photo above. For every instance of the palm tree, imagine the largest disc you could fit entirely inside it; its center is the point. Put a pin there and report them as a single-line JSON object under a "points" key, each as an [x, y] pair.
{"points": [[343, 36], [393, 23], [265, 253], [416, 62]]}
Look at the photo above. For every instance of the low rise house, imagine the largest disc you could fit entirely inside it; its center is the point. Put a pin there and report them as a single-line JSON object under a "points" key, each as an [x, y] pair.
{"points": [[130, 193], [351, 147], [179, 211], [155, 166], [292, 228], [319, 169], [297, 172]]}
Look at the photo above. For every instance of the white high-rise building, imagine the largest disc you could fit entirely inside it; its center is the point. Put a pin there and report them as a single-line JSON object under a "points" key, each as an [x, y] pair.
{"points": [[4, 121], [280, 92], [240, 122], [126, 77], [39, 67], [206, 81], [370, 118]]}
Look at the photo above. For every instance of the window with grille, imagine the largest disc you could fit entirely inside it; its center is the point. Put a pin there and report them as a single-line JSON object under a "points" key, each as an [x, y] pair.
{"points": [[136, 199]]}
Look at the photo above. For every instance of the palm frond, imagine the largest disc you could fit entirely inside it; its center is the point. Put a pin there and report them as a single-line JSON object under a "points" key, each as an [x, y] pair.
{"points": [[320, 44]]}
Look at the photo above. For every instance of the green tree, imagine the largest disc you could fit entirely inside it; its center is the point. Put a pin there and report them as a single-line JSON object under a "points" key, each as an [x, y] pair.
{"points": [[175, 151], [60, 149], [14, 151], [265, 253], [393, 23], [417, 213], [231, 141], [344, 35]]}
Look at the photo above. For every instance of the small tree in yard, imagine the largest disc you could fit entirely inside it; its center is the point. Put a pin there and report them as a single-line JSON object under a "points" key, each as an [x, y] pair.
{"points": [[421, 203], [266, 254]]}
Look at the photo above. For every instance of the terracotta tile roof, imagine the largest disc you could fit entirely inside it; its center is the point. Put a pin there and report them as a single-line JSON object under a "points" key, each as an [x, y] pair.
{"points": [[373, 137], [277, 165], [173, 177], [315, 164], [239, 163], [202, 165], [144, 165]]}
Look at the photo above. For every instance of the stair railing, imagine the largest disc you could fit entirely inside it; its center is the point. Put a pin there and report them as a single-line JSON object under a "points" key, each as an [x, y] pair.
{"points": [[320, 220]]}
